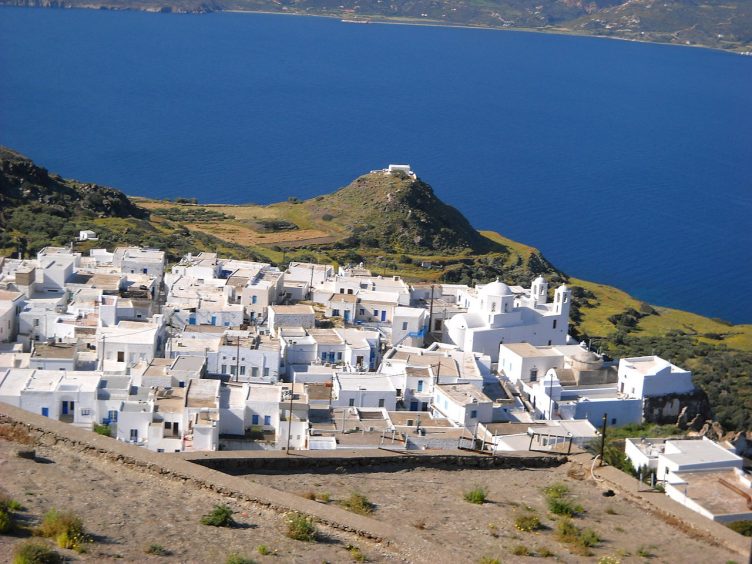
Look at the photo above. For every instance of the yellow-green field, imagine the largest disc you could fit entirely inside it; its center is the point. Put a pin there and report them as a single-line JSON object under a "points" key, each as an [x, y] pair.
{"points": [[313, 230]]}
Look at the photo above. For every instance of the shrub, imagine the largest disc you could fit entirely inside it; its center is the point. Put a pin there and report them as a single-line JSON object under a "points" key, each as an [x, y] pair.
{"points": [[7, 523], [310, 495], [521, 550], [611, 511], [35, 552], [220, 516], [564, 507], [157, 550], [358, 503], [488, 560], [300, 527], [356, 553], [235, 558], [545, 553], [66, 528], [263, 550], [327, 217], [558, 504], [323, 497], [741, 527], [527, 523], [582, 540], [105, 430], [556, 490], [477, 495]]}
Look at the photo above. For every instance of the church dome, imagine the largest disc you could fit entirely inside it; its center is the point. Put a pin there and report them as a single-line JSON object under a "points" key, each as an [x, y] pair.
{"points": [[584, 359], [496, 289]]}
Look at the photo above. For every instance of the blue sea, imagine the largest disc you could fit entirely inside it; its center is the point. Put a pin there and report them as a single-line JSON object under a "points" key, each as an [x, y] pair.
{"points": [[625, 163]]}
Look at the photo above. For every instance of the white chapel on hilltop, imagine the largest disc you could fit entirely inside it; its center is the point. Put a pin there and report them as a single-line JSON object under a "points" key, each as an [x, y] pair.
{"points": [[497, 314]]}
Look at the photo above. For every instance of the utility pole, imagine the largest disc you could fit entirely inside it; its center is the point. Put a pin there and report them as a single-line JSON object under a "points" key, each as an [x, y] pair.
{"points": [[603, 437], [430, 311], [289, 419], [237, 358]]}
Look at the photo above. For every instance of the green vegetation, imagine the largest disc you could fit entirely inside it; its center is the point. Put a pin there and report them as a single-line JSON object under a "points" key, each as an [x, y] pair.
{"points": [[559, 502], [358, 503], [741, 527], [66, 528], [157, 550], [104, 430], [521, 550], [489, 560], [477, 495], [235, 558], [581, 540], [300, 527], [263, 550], [35, 552], [220, 516], [8, 507], [528, 523], [191, 214], [356, 554]]}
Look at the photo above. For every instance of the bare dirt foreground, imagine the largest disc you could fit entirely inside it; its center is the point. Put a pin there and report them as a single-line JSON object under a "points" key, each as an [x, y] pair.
{"points": [[432, 502], [126, 510]]}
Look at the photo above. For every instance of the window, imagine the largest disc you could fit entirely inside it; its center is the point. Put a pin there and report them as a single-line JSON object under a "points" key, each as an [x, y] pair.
{"points": [[254, 371], [233, 370], [351, 403], [267, 419], [335, 312], [613, 421], [420, 385], [375, 312], [323, 357], [554, 323], [362, 311], [533, 374], [242, 370], [350, 291], [36, 323], [160, 450], [254, 419], [86, 411], [168, 425], [224, 369], [266, 372], [473, 414], [339, 356], [404, 325], [437, 325], [381, 402], [341, 290], [254, 299], [121, 356], [112, 415]]}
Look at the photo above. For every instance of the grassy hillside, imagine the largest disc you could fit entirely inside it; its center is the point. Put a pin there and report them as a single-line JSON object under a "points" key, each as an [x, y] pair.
{"points": [[724, 24]]}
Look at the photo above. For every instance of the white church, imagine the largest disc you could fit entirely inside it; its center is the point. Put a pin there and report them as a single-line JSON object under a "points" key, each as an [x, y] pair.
{"points": [[496, 314]]}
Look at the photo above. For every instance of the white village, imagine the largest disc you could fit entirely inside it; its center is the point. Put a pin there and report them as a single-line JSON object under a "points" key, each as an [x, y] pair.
{"points": [[219, 354]]}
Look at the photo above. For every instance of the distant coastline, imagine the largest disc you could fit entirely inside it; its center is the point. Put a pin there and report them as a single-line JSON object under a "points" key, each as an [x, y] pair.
{"points": [[374, 19]]}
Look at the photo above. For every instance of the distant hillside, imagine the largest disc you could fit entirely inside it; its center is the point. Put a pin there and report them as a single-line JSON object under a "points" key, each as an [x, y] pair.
{"points": [[38, 209], [724, 24], [398, 214]]}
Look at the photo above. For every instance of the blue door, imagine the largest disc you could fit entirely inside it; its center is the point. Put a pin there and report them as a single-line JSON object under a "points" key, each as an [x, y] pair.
{"points": [[214, 320], [65, 408], [383, 315], [413, 406], [347, 316], [46, 411]]}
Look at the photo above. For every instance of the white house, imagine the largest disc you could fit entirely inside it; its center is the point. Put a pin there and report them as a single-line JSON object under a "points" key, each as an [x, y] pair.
{"points": [[291, 316], [364, 389], [11, 304], [647, 376], [464, 404], [70, 397], [129, 342], [497, 315], [137, 259]]}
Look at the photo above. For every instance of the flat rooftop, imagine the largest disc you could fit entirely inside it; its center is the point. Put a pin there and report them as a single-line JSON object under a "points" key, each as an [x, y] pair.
{"points": [[202, 393], [54, 350], [463, 393], [526, 350], [707, 490], [296, 309]]}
